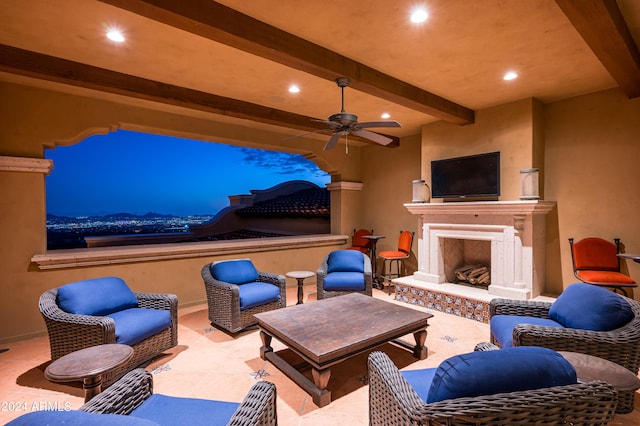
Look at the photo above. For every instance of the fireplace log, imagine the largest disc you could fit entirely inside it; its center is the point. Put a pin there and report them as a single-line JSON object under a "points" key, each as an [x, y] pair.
{"points": [[473, 274]]}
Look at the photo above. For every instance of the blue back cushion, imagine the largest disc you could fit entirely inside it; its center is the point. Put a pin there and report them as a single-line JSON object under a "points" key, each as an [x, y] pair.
{"points": [[136, 324], [240, 271], [501, 326], [99, 296], [589, 307], [171, 410], [77, 418], [505, 370], [345, 261]]}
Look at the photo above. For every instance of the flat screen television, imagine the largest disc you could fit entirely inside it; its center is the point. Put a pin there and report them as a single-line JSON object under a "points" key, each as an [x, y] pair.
{"points": [[473, 176]]}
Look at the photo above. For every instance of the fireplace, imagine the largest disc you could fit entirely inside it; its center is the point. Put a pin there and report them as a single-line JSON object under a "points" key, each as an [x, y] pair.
{"points": [[509, 237]]}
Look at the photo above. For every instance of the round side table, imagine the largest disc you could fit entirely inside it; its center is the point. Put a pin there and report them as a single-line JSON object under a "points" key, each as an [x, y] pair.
{"points": [[88, 365], [590, 368], [300, 276]]}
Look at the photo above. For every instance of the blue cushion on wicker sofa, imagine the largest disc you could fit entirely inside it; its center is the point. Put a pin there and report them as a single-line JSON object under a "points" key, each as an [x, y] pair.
{"points": [[490, 372], [345, 261], [353, 281], [238, 271], [99, 296], [136, 324], [77, 418], [589, 307], [501, 327], [188, 411], [257, 293]]}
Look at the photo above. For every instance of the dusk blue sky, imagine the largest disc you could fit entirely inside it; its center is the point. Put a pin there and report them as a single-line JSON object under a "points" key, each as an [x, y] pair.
{"points": [[138, 173]]}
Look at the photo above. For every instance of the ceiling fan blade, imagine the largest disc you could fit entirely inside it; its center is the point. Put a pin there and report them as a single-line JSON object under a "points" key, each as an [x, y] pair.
{"points": [[375, 137], [305, 134], [369, 124], [333, 141]]}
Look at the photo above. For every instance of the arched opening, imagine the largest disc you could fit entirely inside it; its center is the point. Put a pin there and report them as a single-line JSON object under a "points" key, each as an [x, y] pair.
{"points": [[141, 184]]}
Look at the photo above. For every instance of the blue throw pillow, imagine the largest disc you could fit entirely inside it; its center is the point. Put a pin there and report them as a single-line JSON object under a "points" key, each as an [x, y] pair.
{"points": [[77, 418], [589, 307], [99, 296], [501, 371], [345, 261], [240, 271], [172, 410]]}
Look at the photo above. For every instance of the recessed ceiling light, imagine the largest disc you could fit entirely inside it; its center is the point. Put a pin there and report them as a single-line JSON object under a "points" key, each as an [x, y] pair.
{"points": [[385, 115], [419, 15], [294, 88], [511, 75], [114, 34]]}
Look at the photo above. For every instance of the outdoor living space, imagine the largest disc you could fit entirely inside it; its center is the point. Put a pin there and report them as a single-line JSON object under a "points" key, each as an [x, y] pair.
{"points": [[212, 364]]}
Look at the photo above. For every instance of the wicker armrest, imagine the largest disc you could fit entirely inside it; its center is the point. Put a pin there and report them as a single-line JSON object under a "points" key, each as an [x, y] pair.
{"points": [[519, 307], [275, 279], [258, 407], [165, 302], [123, 396]]}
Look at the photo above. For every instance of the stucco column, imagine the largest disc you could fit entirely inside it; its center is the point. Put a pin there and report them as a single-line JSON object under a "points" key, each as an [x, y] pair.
{"points": [[346, 202]]}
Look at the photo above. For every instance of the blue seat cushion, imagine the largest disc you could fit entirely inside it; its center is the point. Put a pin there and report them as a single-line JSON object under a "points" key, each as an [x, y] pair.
{"points": [[420, 380], [239, 271], [501, 371], [171, 410], [136, 324], [77, 418], [345, 281], [345, 261], [589, 307], [258, 293], [501, 327], [99, 296]]}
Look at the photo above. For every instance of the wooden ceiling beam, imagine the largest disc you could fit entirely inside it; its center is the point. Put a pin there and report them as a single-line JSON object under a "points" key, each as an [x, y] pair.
{"points": [[222, 24], [601, 24], [36, 65]]}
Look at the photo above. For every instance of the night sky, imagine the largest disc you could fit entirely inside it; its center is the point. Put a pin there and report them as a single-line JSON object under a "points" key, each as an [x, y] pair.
{"points": [[130, 172]]}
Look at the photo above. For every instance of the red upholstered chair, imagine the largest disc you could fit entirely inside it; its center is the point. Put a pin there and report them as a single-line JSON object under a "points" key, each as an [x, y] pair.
{"points": [[359, 243], [397, 257], [596, 261]]}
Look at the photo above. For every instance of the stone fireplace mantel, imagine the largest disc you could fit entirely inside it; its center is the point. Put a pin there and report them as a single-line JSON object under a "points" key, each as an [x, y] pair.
{"points": [[515, 231]]}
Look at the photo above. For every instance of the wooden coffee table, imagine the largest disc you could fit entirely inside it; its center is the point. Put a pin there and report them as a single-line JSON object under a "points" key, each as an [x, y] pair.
{"points": [[88, 365], [328, 331]]}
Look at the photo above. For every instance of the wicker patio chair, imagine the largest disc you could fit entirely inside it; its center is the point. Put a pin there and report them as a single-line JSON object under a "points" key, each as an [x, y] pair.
{"points": [[223, 299], [324, 270], [392, 401], [258, 407], [71, 332], [621, 345]]}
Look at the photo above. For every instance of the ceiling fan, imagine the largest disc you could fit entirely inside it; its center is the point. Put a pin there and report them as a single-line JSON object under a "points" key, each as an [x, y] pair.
{"points": [[345, 123]]}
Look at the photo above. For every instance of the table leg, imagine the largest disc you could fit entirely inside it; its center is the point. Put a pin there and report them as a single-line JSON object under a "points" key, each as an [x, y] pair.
{"points": [[321, 396], [92, 386], [300, 283], [266, 344], [420, 350]]}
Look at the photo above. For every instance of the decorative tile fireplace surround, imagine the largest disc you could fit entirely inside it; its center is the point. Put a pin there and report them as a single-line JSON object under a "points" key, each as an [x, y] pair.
{"points": [[513, 233]]}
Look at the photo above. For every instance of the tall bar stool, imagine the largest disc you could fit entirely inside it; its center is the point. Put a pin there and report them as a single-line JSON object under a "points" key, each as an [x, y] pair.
{"points": [[397, 257]]}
